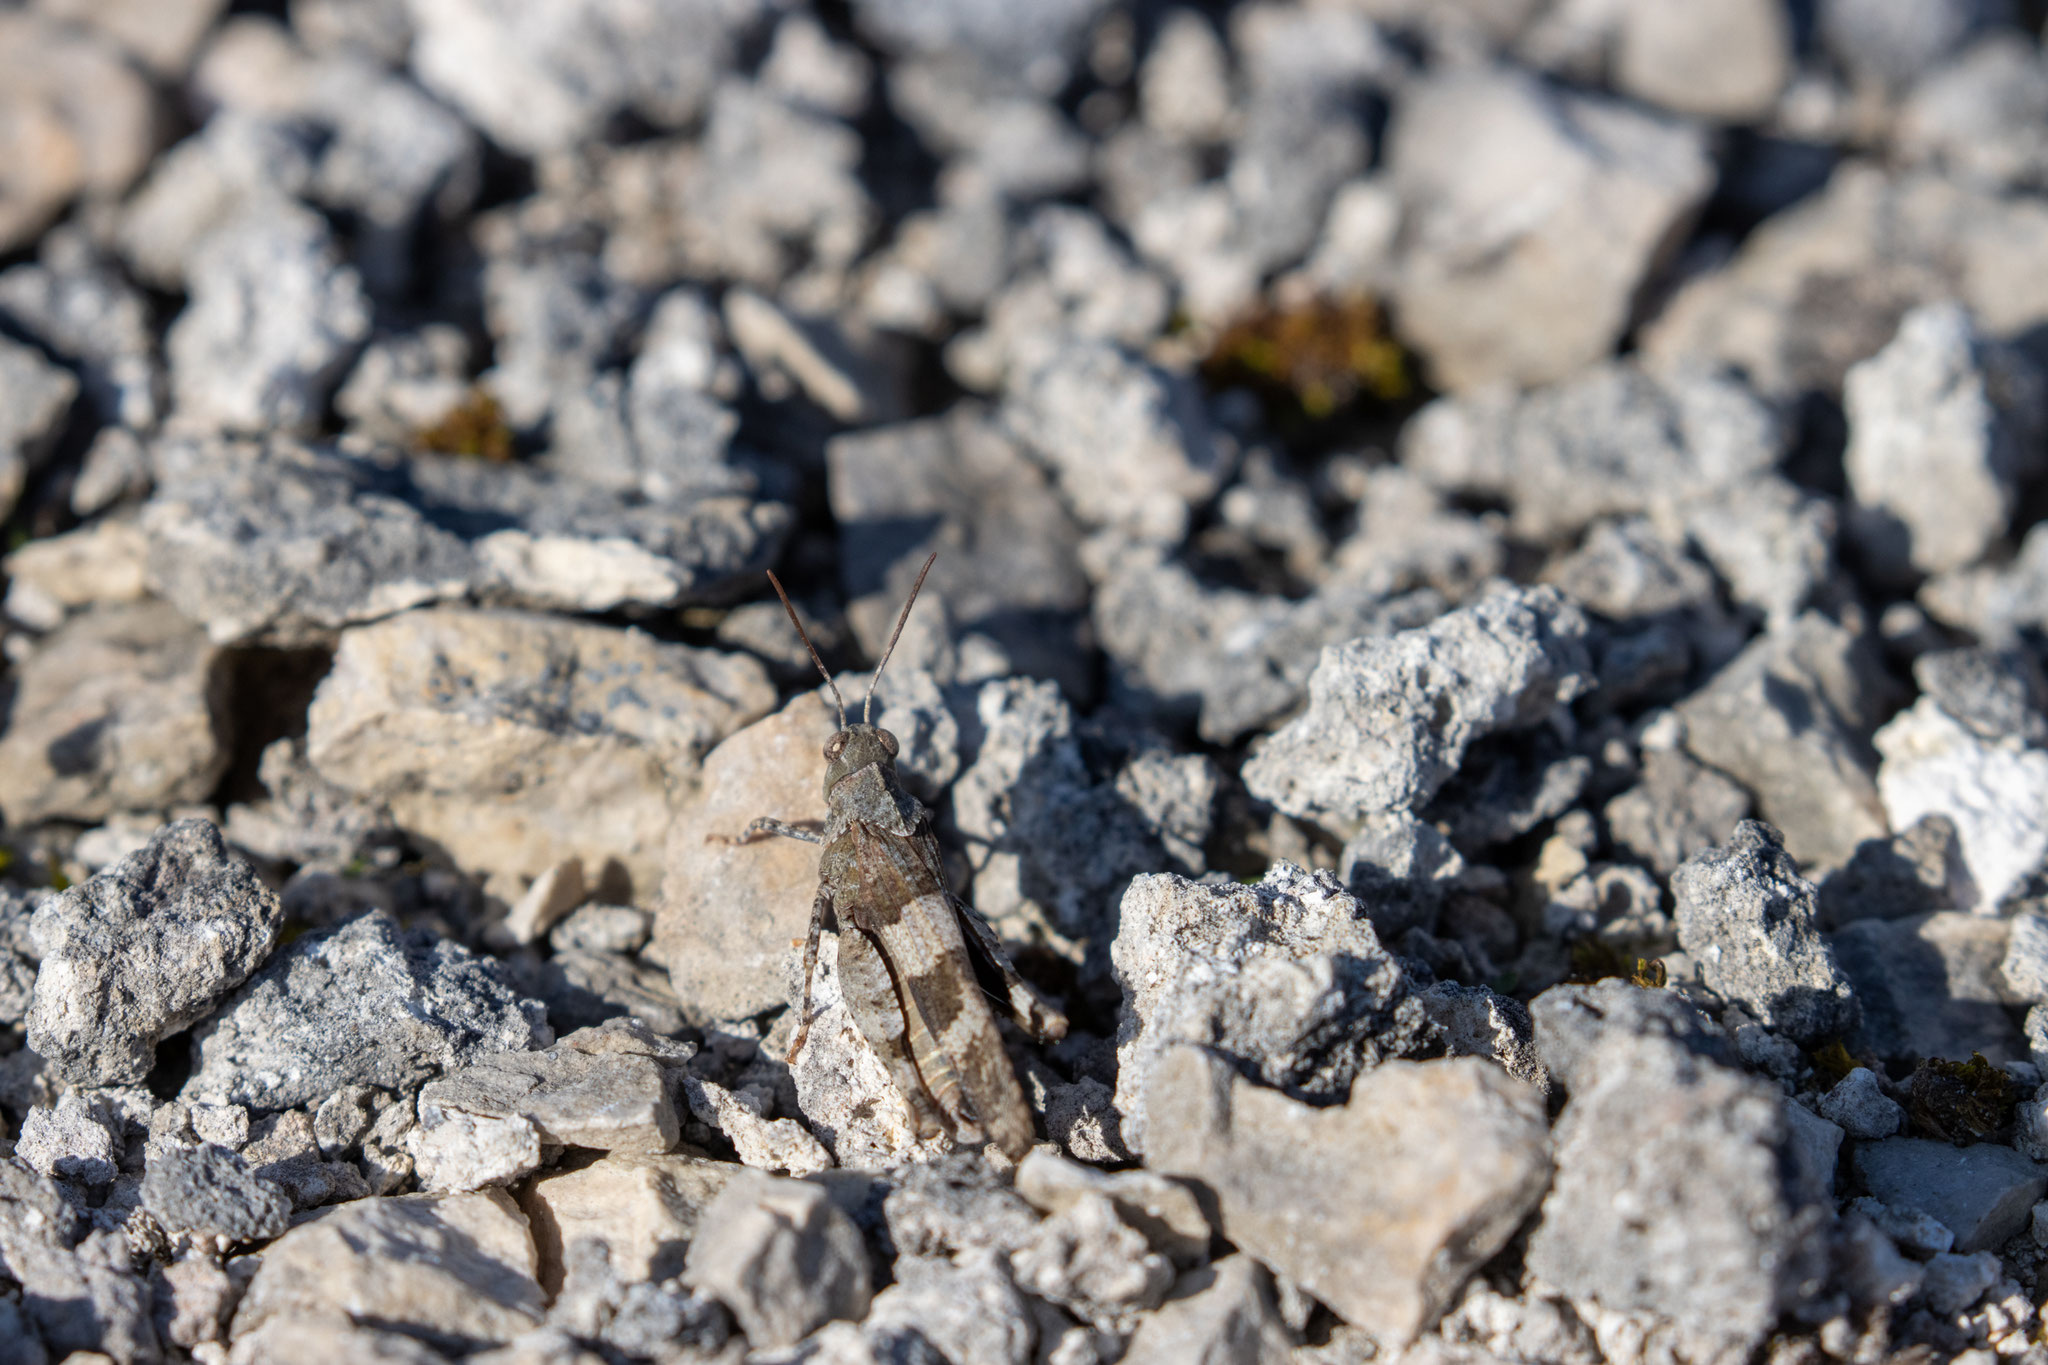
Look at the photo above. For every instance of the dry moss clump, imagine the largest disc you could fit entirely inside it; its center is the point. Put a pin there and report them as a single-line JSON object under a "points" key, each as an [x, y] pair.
{"points": [[475, 427], [1318, 358]]}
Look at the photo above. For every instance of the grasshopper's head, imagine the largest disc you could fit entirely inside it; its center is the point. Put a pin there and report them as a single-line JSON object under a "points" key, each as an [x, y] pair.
{"points": [[858, 746]]}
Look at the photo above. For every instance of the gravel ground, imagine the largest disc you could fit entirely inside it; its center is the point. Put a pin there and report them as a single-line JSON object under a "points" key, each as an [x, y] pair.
{"points": [[1485, 653]]}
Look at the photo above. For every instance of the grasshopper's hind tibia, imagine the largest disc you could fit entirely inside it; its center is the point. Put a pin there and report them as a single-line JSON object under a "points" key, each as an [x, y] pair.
{"points": [[1033, 1012]]}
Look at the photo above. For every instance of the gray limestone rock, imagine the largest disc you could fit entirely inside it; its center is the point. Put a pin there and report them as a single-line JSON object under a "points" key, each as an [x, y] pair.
{"points": [[1723, 62], [1168, 1212], [230, 524], [363, 1004], [1861, 1107], [1940, 407], [452, 1270], [1235, 660], [1790, 718], [1488, 295], [1968, 117], [1929, 986], [1402, 1213], [1747, 917], [18, 953], [781, 1256], [76, 302], [1990, 790], [541, 76], [1575, 1023], [1089, 1261], [1389, 720], [1652, 1123], [1998, 693], [1128, 443], [74, 1140], [2024, 968], [1217, 1313], [272, 324], [145, 949], [954, 1206], [967, 1310], [35, 397], [123, 708], [1617, 439], [1038, 46], [1677, 809], [518, 741], [1475, 1021], [1983, 1194], [606, 1088], [1010, 568], [1286, 978], [558, 318], [1057, 822], [210, 1190], [1914, 872], [1886, 43], [1825, 282]]}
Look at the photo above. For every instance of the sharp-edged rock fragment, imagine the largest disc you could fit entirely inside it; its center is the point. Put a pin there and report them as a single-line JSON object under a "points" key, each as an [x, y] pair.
{"points": [[1285, 977], [145, 949], [1389, 720], [646, 1209], [1995, 793], [1654, 1124], [1790, 718], [363, 1004], [1929, 985], [1940, 407], [1984, 1194], [1747, 917], [1488, 294], [211, 1191]]}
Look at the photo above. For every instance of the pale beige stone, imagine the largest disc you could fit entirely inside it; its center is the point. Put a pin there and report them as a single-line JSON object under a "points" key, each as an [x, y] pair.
{"points": [[73, 117], [518, 741], [124, 708], [729, 911], [99, 562], [1381, 1207], [455, 1266], [644, 1207], [328, 1339]]}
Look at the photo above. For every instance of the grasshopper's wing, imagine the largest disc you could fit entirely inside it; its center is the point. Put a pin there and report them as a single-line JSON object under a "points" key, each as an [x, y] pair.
{"points": [[1032, 1011], [950, 1030]]}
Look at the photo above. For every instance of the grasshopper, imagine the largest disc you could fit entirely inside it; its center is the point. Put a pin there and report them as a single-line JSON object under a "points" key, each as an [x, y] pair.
{"points": [[914, 959]]}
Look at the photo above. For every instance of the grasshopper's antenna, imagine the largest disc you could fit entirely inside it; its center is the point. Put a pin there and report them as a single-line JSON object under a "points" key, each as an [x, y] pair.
{"points": [[897, 634], [823, 672]]}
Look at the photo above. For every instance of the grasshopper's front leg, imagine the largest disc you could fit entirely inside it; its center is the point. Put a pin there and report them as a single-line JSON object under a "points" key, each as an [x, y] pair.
{"points": [[821, 906], [767, 827]]}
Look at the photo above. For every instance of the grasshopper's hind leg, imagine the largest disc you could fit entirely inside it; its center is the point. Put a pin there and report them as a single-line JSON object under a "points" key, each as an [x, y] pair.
{"points": [[871, 999]]}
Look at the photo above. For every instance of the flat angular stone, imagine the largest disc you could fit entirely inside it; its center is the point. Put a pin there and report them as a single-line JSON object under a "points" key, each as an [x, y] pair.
{"points": [[1403, 1210], [645, 1208], [781, 1256], [457, 1270], [1929, 986], [1984, 1194], [210, 1190], [517, 741], [123, 708]]}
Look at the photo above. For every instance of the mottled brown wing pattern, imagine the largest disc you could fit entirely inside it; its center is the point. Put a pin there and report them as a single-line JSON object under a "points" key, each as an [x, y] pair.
{"points": [[902, 903]]}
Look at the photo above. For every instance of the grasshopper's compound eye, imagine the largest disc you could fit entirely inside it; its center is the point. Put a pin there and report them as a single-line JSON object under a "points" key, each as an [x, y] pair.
{"points": [[888, 742], [835, 746]]}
